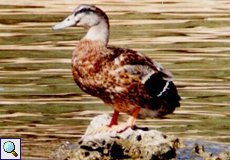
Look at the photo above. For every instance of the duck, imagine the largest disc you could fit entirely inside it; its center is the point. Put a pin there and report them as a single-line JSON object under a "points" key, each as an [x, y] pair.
{"points": [[127, 80]]}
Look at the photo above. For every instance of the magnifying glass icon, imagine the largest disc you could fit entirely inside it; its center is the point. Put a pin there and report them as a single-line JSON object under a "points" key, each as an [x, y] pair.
{"points": [[9, 147]]}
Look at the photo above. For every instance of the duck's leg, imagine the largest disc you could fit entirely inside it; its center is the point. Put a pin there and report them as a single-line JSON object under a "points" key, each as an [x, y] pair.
{"points": [[129, 123], [113, 122], [114, 119], [133, 117]]}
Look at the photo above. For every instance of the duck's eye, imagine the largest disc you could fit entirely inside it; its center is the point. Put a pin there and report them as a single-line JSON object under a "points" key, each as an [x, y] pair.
{"points": [[68, 19]]}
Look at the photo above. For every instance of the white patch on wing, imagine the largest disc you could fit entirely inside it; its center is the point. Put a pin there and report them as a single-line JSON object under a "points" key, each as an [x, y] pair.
{"points": [[146, 77], [119, 89], [164, 89], [116, 60], [121, 57]]}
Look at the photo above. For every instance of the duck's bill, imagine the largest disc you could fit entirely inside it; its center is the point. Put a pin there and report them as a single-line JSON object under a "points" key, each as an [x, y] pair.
{"points": [[69, 21]]}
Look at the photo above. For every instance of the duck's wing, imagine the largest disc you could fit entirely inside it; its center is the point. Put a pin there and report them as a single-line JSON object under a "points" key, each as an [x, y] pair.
{"points": [[139, 64], [157, 81]]}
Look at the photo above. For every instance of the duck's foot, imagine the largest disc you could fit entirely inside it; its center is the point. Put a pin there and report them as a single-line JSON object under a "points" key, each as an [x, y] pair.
{"points": [[122, 127]]}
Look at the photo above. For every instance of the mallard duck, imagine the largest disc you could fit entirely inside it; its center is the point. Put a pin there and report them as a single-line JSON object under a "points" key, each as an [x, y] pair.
{"points": [[125, 79]]}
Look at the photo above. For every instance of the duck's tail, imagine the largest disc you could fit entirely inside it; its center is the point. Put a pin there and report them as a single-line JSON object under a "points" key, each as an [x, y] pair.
{"points": [[164, 94]]}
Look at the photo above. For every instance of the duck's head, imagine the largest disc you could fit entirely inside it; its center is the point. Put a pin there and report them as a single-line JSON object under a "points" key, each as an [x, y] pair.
{"points": [[90, 17], [85, 16]]}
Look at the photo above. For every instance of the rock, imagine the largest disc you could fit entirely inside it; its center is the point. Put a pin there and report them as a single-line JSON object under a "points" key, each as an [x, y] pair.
{"points": [[130, 144], [137, 144]]}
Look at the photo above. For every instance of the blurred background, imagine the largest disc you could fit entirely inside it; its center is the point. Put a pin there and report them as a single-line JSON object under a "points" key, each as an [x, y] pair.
{"points": [[40, 103]]}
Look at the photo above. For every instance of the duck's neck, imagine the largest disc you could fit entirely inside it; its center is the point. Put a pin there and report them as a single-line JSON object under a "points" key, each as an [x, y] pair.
{"points": [[99, 32]]}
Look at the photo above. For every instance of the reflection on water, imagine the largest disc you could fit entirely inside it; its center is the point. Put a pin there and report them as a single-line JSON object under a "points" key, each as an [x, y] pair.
{"points": [[40, 103]]}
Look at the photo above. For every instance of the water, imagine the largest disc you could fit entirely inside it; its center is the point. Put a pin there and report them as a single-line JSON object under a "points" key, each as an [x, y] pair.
{"points": [[40, 103]]}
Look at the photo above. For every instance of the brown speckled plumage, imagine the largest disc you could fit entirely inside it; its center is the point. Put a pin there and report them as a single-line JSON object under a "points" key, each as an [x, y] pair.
{"points": [[96, 72]]}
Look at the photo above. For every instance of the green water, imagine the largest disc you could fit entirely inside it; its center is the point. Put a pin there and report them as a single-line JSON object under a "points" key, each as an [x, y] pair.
{"points": [[40, 103]]}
